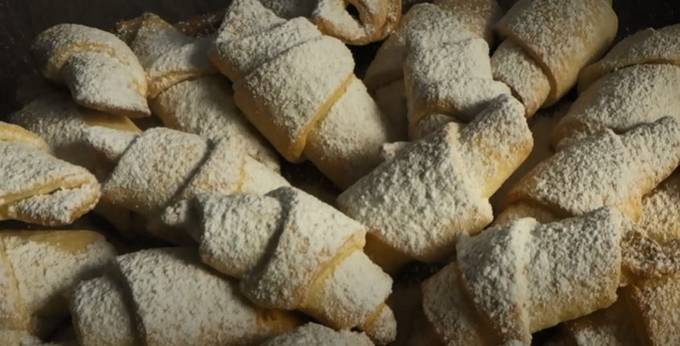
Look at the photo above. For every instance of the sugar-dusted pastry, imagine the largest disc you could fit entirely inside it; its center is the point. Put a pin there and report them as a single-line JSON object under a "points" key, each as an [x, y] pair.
{"points": [[417, 204], [161, 165], [298, 88], [635, 83], [100, 70], [36, 187], [513, 280], [608, 169], [167, 297], [60, 122], [454, 29], [185, 91], [292, 251], [447, 70], [546, 45], [647, 313], [316, 334], [39, 268], [372, 20]]}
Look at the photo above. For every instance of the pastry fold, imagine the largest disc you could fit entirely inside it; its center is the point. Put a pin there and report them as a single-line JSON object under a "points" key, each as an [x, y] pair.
{"points": [[37, 187], [161, 165], [316, 334], [293, 252], [372, 22], [511, 281], [418, 203], [99, 69], [635, 83], [608, 169], [39, 270], [547, 43], [298, 88], [167, 297], [186, 91]]}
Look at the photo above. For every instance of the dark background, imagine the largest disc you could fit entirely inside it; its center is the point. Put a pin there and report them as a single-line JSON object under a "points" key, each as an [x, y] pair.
{"points": [[21, 20]]}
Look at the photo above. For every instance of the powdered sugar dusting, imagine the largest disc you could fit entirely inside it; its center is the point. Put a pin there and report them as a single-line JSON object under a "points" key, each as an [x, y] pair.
{"points": [[316, 334]]}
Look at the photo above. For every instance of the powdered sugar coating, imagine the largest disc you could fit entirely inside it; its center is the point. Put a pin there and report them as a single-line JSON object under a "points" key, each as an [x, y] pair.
{"points": [[660, 217], [621, 100], [562, 36], [606, 170], [316, 334], [101, 71], [437, 188], [648, 46], [376, 19], [658, 303]]}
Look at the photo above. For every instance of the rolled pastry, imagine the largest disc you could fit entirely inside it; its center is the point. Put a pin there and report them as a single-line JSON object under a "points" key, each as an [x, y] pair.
{"points": [[373, 20], [605, 170], [647, 313], [161, 165], [292, 251], [417, 204], [100, 70], [39, 270], [298, 88], [60, 122], [635, 83], [186, 91], [36, 187], [547, 43], [511, 281], [166, 297], [447, 70], [316, 334]]}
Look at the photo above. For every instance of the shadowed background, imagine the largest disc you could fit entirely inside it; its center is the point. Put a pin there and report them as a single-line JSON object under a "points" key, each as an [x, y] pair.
{"points": [[21, 20]]}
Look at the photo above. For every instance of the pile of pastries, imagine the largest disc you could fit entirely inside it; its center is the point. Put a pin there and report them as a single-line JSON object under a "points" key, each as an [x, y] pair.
{"points": [[469, 197]]}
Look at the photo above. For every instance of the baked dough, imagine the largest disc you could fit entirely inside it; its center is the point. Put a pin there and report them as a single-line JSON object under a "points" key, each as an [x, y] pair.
{"points": [[434, 190], [292, 251], [36, 187], [316, 334], [39, 270], [100, 70], [547, 43], [167, 297]]}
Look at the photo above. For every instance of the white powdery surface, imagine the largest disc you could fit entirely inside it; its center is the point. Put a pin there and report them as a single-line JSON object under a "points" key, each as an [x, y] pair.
{"points": [[316, 334], [180, 302], [658, 302], [660, 216]]}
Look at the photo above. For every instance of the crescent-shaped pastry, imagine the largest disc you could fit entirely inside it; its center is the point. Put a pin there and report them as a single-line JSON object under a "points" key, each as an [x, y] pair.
{"points": [[417, 204], [635, 83], [292, 251], [547, 43], [36, 187], [167, 297], [39, 270], [100, 70], [161, 165], [604, 170], [298, 88]]}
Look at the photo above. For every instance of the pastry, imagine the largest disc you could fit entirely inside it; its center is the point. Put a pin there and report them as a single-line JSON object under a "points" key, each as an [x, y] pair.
{"points": [[100, 70], [447, 71], [161, 165], [547, 43], [39, 269], [417, 204], [607, 169], [635, 83], [316, 334], [292, 251], [36, 187], [356, 22], [166, 297], [446, 27], [513, 280], [185, 90], [298, 88]]}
